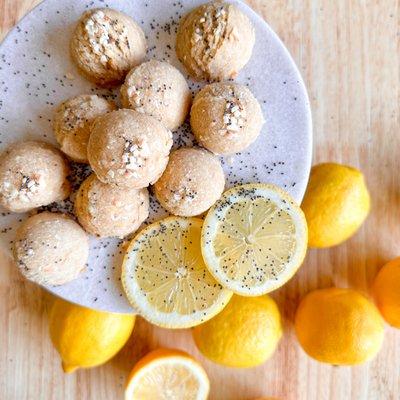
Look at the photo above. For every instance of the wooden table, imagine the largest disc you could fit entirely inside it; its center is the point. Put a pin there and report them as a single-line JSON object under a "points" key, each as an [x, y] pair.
{"points": [[349, 54]]}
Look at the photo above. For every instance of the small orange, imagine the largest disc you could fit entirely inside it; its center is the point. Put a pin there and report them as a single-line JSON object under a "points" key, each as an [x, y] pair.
{"points": [[386, 291], [167, 373], [339, 326]]}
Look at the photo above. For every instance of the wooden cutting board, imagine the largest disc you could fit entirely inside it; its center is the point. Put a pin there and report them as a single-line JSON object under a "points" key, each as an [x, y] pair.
{"points": [[349, 54]]}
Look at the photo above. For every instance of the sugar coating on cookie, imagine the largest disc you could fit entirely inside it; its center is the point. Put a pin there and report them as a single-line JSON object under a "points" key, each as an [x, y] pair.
{"points": [[51, 249], [32, 174], [106, 45], [108, 210], [73, 120], [192, 182], [158, 89], [215, 41], [225, 117], [128, 149]]}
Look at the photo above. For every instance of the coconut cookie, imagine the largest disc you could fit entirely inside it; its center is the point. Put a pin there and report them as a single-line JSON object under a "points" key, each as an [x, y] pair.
{"points": [[106, 45], [158, 89], [215, 41], [108, 210], [73, 120], [192, 182], [226, 117], [51, 249], [128, 149], [32, 174]]}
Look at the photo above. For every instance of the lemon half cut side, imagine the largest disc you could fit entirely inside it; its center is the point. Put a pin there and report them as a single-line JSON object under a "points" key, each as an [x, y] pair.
{"points": [[167, 374], [254, 239], [165, 278]]}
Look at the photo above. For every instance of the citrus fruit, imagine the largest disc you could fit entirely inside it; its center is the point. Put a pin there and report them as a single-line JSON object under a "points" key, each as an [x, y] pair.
{"points": [[339, 326], [244, 334], [165, 278], [167, 374], [267, 398], [87, 338], [336, 204], [254, 239], [386, 291]]}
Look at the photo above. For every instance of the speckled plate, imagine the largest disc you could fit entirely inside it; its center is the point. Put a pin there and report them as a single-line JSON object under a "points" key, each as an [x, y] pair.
{"points": [[36, 74]]}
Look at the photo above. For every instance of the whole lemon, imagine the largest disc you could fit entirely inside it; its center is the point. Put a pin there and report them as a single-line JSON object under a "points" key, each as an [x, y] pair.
{"points": [[386, 291], [339, 326], [267, 398], [335, 204], [86, 338], [244, 334]]}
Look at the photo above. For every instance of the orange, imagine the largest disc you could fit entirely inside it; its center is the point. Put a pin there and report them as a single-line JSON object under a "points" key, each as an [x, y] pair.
{"points": [[167, 373], [386, 291], [339, 326]]}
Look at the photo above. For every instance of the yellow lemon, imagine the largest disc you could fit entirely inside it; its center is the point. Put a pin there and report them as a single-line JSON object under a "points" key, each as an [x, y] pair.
{"points": [[244, 334], [339, 326], [165, 278], [267, 398], [254, 239], [336, 204], [386, 291], [167, 374], [87, 338]]}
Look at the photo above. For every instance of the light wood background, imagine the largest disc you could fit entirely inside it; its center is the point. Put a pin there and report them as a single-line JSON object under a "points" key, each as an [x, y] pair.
{"points": [[349, 54]]}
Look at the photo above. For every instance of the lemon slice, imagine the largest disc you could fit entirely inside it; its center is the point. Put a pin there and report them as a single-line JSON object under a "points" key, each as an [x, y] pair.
{"points": [[165, 278], [254, 239], [167, 374]]}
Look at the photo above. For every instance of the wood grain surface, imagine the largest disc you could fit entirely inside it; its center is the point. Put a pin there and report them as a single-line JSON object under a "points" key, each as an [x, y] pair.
{"points": [[348, 52]]}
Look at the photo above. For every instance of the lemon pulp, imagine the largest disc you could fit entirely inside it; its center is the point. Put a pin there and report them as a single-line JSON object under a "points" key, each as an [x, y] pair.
{"points": [[165, 278], [254, 239], [169, 374], [255, 329]]}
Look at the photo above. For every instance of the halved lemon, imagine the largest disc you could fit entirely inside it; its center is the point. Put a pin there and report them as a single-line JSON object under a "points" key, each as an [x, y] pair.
{"points": [[254, 239], [167, 374], [165, 278]]}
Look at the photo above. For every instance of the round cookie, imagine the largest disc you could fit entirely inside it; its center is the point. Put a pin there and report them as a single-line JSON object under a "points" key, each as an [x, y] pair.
{"points": [[215, 41], [73, 120], [226, 117], [108, 210], [158, 89], [32, 174], [192, 182], [51, 249], [128, 149], [106, 45]]}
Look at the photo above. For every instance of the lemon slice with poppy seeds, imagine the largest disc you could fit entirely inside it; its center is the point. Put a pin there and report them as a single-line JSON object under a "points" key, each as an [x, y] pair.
{"points": [[254, 239], [165, 278]]}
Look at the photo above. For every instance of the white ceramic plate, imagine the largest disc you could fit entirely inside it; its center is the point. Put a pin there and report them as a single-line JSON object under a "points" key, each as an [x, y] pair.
{"points": [[35, 76]]}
